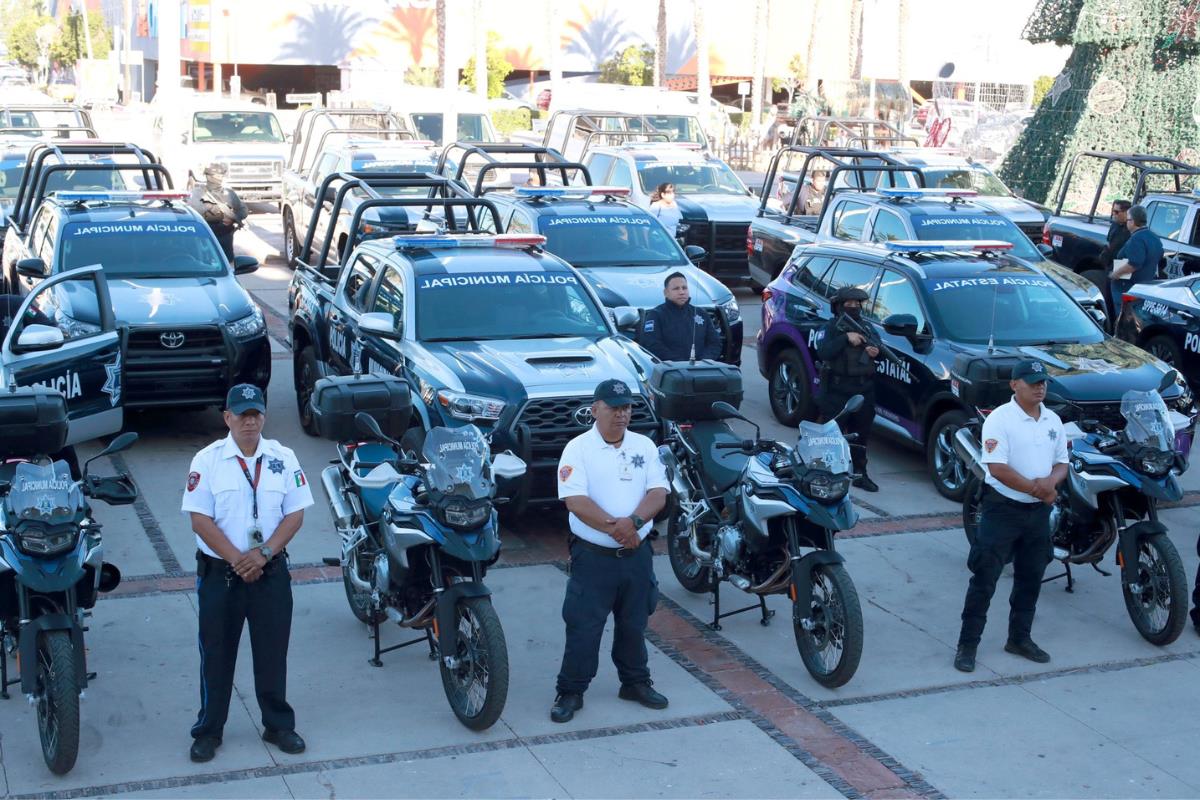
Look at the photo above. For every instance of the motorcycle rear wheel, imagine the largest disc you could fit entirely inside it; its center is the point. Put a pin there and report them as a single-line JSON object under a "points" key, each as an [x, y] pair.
{"points": [[477, 687], [688, 570], [1159, 609], [832, 647], [57, 700]]}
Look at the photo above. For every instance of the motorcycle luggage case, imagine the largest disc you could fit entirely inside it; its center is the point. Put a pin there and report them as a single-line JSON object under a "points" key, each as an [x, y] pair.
{"points": [[336, 400], [981, 380], [682, 390], [33, 421]]}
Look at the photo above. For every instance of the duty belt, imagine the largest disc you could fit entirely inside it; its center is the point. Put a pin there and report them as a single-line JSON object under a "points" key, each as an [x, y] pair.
{"points": [[611, 552]]}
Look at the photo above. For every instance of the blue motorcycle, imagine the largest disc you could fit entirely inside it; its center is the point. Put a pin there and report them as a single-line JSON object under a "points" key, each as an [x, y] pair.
{"points": [[417, 538], [51, 569], [763, 516]]}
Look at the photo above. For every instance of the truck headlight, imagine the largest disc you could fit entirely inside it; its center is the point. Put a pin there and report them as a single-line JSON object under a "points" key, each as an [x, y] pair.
{"points": [[277, 168], [732, 312], [248, 326], [470, 407]]}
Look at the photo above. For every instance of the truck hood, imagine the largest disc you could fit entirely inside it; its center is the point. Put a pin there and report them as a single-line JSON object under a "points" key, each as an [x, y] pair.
{"points": [[178, 301], [717, 207], [1014, 208], [642, 287], [515, 369]]}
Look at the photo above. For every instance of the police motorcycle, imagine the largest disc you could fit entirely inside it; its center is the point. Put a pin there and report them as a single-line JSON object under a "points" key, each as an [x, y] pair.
{"points": [[759, 514], [1115, 481], [51, 562], [417, 535]]}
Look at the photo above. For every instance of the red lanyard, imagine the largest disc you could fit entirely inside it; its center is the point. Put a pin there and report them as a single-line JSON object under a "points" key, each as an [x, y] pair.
{"points": [[253, 483]]}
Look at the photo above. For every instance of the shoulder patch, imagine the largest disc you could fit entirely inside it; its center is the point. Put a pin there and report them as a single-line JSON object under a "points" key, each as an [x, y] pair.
{"points": [[990, 445], [193, 481], [649, 326], [564, 472]]}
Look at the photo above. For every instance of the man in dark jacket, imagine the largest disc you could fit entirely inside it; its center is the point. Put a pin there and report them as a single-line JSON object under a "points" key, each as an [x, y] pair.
{"points": [[220, 206], [847, 369], [1118, 233], [677, 330], [1137, 261]]}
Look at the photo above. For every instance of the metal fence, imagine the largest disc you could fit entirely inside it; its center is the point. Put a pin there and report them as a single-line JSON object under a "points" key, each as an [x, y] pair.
{"points": [[996, 96]]}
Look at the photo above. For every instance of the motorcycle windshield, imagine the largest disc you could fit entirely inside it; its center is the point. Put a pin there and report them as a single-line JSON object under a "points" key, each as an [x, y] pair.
{"points": [[823, 447], [458, 459], [44, 493], [1147, 421]]}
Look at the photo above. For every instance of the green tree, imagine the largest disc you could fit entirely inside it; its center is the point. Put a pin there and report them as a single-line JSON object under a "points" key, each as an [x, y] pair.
{"points": [[793, 80], [21, 36], [633, 66], [1041, 87], [421, 76], [71, 44], [498, 68]]}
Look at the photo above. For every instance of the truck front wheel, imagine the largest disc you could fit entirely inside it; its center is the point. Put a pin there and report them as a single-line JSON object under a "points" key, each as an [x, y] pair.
{"points": [[305, 376], [790, 389]]}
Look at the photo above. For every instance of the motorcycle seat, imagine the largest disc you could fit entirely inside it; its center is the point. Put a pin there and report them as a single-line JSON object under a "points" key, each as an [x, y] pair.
{"points": [[721, 467]]}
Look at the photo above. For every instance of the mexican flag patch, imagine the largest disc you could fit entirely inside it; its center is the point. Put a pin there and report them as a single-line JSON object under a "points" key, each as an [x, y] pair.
{"points": [[298, 477]]}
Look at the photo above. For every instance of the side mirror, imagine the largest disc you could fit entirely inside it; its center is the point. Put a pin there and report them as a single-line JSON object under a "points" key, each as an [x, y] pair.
{"points": [[36, 338], [901, 325], [122, 442], [244, 265], [183, 138], [1045, 249], [624, 316], [726, 410], [380, 324], [1168, 380], [695, 253], [367, 424], [31, 268], [852, 405], [1097, 315]]}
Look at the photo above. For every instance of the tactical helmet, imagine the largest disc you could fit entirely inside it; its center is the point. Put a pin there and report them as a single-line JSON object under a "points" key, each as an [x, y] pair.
{"points": [[848, 293]]}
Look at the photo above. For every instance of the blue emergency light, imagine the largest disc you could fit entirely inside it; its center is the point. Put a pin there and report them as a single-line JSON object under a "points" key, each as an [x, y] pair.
{"points": [[101, 196], [569, 191], [438, 242], [898, 193], [947, 246]]}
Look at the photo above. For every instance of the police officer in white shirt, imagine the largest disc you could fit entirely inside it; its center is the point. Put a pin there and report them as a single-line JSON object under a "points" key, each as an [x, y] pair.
{"points": [[246, 496], [1025, 450], [613, 484]]}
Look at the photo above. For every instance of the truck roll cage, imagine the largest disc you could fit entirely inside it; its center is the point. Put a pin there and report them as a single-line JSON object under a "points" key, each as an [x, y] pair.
{"points": [[88, 131], [35, 165], [843, 159], [390, 122], [1144, 164], [543, 159], [856, 129]]}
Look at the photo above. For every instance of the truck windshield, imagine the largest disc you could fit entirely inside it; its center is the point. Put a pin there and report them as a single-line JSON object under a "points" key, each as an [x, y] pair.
{"points": [[505, 305], [141, 249], [1029, 309], [609, 239], [975, 227], [976, 176], [383, 162], [471, 127], [712, 177], [236, 126]]}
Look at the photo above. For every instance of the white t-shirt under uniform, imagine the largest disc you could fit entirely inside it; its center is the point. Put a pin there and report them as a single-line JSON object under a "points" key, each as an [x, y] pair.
{"points": [[218, 488], [615, 478], [1030, 446]]}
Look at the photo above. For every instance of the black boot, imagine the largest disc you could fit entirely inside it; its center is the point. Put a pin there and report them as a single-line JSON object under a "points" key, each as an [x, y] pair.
{"points": [[865, 483]]}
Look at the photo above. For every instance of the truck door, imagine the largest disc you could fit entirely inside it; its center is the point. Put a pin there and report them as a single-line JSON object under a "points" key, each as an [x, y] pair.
{"points": [[383, 355], [87, 368], [900, 386], [345, 352]]}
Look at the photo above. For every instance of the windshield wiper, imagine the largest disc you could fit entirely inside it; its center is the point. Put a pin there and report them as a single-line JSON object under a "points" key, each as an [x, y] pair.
{"points": [[551, 335]]}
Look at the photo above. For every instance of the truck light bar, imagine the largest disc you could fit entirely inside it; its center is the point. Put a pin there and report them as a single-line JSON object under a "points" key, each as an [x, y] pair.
{"points": [[571, 191], [507, 240], [898, 193], [947, 246], [391, 143], [83, 197]]}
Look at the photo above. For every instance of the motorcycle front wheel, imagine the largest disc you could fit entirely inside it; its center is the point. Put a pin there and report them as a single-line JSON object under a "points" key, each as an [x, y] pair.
{"points": [[690, 573], [829, 626], [1158, 607], [57, 699], [477, 683]]}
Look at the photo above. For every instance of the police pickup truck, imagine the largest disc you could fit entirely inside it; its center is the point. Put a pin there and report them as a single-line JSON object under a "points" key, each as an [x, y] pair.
{"points": [[623, 251], [487, 329], [931, 301], [191, 331], [1164, 319], [1166, 187]]}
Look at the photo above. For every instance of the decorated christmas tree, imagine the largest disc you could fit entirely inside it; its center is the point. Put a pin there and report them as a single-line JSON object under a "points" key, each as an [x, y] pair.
{"points": [[1130, 85]]}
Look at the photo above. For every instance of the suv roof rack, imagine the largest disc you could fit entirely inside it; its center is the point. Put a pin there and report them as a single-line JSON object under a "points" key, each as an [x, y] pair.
{"points": [[843, 159], [543, 159]]}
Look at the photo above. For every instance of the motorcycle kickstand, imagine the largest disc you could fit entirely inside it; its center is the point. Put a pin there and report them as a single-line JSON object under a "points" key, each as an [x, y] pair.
{"points": [[433, 648], [1070, 578], [716, 600], [3, 671], [1105, 573], [375, 661], [766, 612]]}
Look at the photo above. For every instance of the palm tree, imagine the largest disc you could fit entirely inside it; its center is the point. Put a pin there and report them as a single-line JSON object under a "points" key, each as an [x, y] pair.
{"points": [[660, 49], [759, 47], [441, 42], [812, 45], [326, 33], [598, 37], [703, 84], [856, 19]]}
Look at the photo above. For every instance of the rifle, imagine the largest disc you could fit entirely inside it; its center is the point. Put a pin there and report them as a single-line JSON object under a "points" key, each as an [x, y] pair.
{"points": [[848, 324]]}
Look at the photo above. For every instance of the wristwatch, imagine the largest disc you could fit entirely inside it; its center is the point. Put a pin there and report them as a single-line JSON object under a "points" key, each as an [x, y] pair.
{"points": [[637, 521], [266, 551]]}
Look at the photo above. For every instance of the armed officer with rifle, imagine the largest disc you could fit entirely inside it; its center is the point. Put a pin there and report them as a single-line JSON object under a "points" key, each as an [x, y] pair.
{"points": [[848, 351], [220, 206]]}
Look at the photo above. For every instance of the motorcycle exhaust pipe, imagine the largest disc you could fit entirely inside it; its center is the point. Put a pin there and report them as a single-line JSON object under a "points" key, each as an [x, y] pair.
{"points": [[335, 490], [967, 448]]}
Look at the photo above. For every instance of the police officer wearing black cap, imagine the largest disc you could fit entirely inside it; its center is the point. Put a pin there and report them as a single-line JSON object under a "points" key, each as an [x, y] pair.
{"points": [[1025, 451], [246, 496], [847, 369], [613, 483]]}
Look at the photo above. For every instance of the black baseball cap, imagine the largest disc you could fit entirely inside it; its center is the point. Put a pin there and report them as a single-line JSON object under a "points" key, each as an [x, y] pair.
{"points": [[614, 393], [1031, 371], [245, 397]]}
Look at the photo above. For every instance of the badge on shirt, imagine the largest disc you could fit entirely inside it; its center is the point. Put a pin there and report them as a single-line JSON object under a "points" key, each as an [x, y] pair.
{"points": [[564, 473], [625, 471], [193, 481], [638, 461], [990, 445], [649, 327], [1053, 434], [275, 465]]}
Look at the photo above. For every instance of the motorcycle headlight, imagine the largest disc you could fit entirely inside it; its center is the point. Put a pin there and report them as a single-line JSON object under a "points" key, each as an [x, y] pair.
{"points": [[73, 328], [248, 326], [1155, 463], [37, 539], [470, 407], [732, 312], [462, 514], [824, 486]]}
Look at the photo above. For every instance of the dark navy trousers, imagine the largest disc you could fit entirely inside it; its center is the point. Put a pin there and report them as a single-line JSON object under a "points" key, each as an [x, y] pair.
{"points": [[601, 585], [226, 604]]}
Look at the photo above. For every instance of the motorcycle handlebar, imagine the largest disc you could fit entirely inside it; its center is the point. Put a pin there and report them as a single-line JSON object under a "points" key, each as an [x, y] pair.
{"points": [[745, 444]]}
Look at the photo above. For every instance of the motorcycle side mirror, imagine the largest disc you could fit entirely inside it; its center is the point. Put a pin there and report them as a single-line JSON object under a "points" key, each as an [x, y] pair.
{"points": [[726, 411], [122, 442], [1168, 381], [367, 424], [853, 404]]}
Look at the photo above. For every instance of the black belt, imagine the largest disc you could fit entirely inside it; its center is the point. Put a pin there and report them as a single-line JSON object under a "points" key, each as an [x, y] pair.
{"points": [[207, 562], [992, 493], [611, 552]]}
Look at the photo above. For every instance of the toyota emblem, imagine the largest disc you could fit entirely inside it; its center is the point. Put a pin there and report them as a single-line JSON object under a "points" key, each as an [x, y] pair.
{"points": [[583, 415], [172, 340]]}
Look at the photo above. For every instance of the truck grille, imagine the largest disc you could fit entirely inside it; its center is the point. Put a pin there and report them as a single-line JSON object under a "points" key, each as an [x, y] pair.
{"points": [[251, 170], [725, 243], [552, 423], [1031, 229], [160, 372]]}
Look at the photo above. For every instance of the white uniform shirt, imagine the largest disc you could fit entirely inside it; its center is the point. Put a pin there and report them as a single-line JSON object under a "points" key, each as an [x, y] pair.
{"points": [[1030, 446], [615, 478], [218, 488]]}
